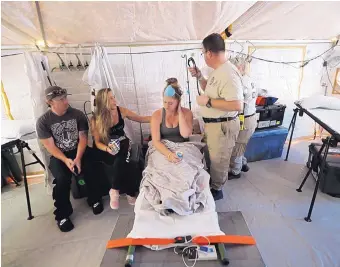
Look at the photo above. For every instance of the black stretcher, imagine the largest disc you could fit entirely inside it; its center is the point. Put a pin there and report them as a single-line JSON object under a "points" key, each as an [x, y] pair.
{"points": [[20, 144], [330, 141]]}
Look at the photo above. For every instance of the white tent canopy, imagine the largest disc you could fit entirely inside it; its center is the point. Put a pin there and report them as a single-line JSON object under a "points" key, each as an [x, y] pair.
{"points": [[133, 47], [289, 20], [132, 22]]}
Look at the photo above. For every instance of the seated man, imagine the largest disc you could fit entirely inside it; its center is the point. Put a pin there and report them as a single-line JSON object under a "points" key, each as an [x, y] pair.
{"points": [[63, 132]]}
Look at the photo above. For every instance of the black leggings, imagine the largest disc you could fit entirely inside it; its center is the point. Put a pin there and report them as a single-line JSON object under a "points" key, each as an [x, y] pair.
{"points": [[122, 175]]}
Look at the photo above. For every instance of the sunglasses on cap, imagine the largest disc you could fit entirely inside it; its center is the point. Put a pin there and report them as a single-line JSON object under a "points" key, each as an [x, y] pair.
{"points": [[56, 93]]}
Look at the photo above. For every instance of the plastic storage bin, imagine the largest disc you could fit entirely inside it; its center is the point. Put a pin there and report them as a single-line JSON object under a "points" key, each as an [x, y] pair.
{"points": [[266, 144]]}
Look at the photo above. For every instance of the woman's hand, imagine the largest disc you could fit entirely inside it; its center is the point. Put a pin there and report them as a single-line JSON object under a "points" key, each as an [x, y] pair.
{"points": [[109, 150], [179, 108], [173, 158]]}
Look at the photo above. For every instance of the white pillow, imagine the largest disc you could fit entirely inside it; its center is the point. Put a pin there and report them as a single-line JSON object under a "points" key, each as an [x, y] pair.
{"points": [[320, 101], [15, 129]]}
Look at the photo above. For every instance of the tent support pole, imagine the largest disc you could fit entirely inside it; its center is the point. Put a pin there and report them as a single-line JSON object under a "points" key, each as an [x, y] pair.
{"points": [[136, 95], [41, 23]]}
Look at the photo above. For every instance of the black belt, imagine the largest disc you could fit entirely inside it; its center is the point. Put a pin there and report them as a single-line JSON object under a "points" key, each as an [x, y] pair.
{"points": [[212, 120], [250, 115]]}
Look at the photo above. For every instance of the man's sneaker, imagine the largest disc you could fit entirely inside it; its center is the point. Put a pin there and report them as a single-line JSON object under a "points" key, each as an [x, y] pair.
{"points": [[217, 194], [65, 225], [245, 168], [232, 176], [97, 208]]}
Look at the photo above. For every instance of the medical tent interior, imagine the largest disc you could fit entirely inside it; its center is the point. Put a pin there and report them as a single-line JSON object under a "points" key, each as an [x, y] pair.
{"points": [[292, 52]]}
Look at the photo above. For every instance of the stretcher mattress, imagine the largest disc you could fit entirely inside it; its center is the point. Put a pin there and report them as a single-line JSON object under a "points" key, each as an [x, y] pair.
{"points": [[329, 117], [149, 223], [232, 223]]}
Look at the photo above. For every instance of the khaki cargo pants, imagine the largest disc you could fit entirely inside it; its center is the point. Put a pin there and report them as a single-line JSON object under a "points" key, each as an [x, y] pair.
{"points": [[220, 138], [237, 157]]}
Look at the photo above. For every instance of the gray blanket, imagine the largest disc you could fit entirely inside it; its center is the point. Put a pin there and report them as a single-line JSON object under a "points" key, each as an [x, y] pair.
{"points": [[176, 186]]}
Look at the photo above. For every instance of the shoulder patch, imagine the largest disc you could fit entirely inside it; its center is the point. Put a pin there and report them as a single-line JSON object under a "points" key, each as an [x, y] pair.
{"points": [[212, 80]]}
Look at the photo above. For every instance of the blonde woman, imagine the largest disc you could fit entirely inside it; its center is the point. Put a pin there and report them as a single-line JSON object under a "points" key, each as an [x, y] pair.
{"points": [[172, 122], [111, 146]]}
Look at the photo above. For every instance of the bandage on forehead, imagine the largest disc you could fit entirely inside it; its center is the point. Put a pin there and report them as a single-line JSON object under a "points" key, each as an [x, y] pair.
{"points": [[169, 91]]}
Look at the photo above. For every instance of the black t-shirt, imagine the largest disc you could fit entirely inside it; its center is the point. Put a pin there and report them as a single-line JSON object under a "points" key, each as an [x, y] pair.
{"points": [[64, 129]]}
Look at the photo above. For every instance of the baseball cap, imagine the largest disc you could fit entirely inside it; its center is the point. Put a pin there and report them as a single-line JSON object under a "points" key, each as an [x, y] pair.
{"points": [[55, 91]]}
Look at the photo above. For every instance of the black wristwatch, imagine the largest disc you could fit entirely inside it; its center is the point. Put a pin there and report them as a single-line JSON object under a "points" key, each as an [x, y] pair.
{"points": [[209, 103]]}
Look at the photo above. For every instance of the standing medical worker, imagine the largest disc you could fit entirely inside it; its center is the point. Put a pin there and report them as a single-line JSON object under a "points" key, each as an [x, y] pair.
{"points": [[220, 104], [238, 161]]}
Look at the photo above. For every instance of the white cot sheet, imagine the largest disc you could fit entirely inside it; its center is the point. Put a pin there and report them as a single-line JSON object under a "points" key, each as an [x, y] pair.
{"points": [[17, 129], [329, 117], [149, 223]]}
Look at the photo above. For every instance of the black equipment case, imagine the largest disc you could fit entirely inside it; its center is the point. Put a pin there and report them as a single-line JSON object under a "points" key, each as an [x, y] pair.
{"points": [[330, 183], [270, 116]]}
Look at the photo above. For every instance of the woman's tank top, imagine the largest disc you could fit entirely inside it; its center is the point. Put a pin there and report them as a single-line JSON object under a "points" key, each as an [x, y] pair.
{"points": [[171, 134], [117, 130]]}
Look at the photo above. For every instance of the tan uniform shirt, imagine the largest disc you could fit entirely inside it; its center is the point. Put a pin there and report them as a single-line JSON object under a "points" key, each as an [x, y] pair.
{"points": [[223, 83]]}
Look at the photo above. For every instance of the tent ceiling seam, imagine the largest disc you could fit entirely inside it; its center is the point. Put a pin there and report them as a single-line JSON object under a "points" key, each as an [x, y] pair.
{"points": [[252, 11], [17, 30], [293, 41]]}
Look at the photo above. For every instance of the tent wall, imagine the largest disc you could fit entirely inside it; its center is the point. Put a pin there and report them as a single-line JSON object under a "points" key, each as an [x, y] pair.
{"points": [[141, 77], [72, 81], [17, 87], [16, 84], [147, 72], [290, 83]]}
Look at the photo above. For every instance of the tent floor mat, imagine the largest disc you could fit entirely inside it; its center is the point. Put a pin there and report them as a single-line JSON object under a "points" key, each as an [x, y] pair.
{"points": [[231, 223]]}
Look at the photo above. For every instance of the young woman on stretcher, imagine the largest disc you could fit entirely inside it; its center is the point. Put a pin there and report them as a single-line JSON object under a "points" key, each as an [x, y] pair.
{"points": [[172, 122], [111, 146]]}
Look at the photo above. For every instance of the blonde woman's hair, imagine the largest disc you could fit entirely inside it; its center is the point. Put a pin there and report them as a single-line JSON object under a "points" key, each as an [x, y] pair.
{"points": [[174, 84], [102, 115]]}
